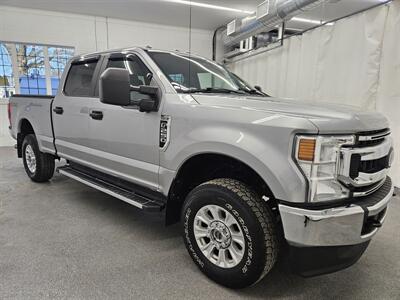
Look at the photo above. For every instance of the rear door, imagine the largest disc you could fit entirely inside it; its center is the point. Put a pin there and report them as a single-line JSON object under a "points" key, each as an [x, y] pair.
{"points": [[71, 109], [125, 141]]}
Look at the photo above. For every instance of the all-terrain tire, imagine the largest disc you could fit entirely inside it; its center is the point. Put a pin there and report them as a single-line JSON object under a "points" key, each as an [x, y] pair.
{"points": [[44, 163], [256, 221]]}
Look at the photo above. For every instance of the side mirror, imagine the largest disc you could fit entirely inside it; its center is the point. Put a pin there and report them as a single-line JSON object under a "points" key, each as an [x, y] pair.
{"points": [[147, 90], [115, 87], [148, 104], [258, 88]]}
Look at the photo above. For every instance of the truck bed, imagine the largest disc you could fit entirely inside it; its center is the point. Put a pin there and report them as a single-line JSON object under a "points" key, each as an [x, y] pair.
{"points": [[35, 109]]}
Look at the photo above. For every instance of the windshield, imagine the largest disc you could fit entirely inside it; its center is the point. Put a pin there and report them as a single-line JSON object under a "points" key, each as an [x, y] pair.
{"points": [[190, 74]]}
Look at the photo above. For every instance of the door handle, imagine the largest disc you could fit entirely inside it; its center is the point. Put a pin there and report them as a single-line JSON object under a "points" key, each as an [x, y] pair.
{"points": [[96, 115], [58, 110]]}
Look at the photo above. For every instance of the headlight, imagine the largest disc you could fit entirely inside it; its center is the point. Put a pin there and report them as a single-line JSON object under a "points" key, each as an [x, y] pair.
{"points": [[318, 158]]}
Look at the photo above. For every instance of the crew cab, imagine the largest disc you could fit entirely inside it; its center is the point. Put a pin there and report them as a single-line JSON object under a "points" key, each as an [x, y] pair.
{"points": [[247, 175]]}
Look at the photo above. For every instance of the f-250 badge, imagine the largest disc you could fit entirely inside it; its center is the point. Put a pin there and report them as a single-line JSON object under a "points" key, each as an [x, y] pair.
{"points": [[164, 131]]}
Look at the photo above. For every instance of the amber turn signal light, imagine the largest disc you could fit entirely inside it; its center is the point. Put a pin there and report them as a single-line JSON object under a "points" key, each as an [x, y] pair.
{"points": [[306, 149]]}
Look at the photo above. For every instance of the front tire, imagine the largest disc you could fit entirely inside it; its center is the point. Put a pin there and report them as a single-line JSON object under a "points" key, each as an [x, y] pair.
{"points": [[39, 166], [229, 232]]}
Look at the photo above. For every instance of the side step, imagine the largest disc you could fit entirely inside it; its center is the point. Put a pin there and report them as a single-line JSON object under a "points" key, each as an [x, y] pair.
{"points": [[130, 197]]}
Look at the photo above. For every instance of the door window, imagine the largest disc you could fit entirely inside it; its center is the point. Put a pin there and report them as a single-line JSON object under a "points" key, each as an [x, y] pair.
{"points": [[80, 79], [139, 74]]}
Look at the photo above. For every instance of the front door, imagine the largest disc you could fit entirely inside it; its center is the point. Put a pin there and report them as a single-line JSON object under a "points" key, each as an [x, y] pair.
{"points": [[125, 141]]}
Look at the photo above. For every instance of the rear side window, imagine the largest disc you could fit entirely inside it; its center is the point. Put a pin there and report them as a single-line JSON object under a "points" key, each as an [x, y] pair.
{"points": [[80, 79]]}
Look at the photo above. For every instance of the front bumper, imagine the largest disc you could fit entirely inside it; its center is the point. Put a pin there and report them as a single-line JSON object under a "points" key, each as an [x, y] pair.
{"points": [[353, 223], [327, 240], [312, 261]]}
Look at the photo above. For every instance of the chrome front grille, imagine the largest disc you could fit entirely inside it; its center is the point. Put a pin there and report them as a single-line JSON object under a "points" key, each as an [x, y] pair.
{"points": [[363, 167], [372, 138], [372, 166]]}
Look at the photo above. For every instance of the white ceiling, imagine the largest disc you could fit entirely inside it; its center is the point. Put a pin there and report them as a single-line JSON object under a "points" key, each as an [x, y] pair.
{"points": [[162, 12]]}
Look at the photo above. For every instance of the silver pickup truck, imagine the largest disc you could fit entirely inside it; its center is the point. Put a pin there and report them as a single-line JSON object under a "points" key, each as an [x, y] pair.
{"points": [[250, 177]]}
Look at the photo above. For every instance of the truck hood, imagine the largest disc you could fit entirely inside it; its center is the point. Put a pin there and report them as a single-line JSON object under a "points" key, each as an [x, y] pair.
{"points": [[328, 118]]}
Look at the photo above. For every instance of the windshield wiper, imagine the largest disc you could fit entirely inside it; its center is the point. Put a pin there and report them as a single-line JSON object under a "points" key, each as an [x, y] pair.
{"points": [[254, 92], [214, 90]]}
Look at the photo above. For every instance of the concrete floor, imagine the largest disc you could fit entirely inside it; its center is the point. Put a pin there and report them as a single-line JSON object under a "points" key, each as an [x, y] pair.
{"points": [[65, 240]]}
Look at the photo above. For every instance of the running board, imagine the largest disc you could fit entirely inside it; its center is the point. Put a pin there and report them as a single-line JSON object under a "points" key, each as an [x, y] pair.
{"points": [[125, 195]]}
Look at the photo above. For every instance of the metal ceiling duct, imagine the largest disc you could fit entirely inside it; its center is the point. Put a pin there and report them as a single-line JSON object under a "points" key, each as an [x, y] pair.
{"points": [[278, 12]]}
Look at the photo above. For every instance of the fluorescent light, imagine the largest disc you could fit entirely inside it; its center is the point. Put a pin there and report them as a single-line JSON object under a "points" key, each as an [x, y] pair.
{"points": [[205, 5], [316, 22], [306, 20], [249, 18]]}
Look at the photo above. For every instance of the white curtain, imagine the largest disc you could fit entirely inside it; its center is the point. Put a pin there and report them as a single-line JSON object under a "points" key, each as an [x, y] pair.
{"points": [[356, 61], [5, 137], [388, 98]]}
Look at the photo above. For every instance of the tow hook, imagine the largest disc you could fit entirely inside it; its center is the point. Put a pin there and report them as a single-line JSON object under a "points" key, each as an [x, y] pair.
{"points": [[376, 224]]}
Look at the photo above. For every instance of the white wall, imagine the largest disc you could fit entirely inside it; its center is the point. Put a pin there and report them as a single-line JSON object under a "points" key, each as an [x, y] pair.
{"points": [[356, 62], [5, 138], [88, 34]]}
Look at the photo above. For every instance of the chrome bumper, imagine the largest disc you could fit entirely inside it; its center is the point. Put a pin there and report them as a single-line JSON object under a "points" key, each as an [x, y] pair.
{"points": [[339, 226]]}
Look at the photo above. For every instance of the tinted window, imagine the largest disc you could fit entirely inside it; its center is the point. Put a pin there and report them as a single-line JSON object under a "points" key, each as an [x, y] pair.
{"points": [[80, 79], [138, 73]]}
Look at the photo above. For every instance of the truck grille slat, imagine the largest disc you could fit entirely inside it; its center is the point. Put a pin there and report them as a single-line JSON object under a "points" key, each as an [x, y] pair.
{"points": [[363, 166], [368, 166], [372, 138]]}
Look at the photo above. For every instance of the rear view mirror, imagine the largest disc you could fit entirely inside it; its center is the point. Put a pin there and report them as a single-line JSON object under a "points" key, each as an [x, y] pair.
{"points": [[115, 87], [258, 88], [149, 77]]}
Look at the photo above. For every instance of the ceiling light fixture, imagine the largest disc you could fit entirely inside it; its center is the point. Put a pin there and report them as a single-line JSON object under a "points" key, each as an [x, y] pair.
{"points": [[249, 18], [310, 21], [205, 5]]}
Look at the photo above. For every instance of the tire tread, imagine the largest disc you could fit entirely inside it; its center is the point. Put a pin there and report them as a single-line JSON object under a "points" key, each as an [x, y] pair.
{"points": [[263, 214], [44, 161]]}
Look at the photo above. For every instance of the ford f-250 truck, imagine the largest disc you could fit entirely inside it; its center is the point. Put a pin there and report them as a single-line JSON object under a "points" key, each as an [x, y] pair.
{"points": [[246, 174]]}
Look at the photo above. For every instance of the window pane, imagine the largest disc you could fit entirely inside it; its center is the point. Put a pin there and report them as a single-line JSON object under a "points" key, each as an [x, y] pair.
{"points": [[79, 81], [31, 68], [7, 70], [7, 87], [138, 73], [58, 58], [137, 69]]}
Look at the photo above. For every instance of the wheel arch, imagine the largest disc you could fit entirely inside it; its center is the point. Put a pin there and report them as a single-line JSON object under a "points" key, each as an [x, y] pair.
{"points": [[24, 128], [202, 167]]}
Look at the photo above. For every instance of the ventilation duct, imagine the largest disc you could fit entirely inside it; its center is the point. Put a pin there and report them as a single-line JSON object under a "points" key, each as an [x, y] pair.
{"points": [[269, 14]]}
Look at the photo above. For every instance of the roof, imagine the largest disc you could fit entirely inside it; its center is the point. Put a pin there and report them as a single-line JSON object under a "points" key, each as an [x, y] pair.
{"points": [[121, 50]]}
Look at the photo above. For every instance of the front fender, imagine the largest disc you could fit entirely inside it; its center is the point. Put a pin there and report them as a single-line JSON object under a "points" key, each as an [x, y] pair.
{"points": [[269, 158]]}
